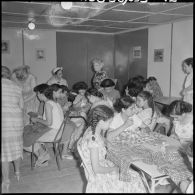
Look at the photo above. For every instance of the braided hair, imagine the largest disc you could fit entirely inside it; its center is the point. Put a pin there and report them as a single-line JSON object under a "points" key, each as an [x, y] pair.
{"points": [[96, 114]]}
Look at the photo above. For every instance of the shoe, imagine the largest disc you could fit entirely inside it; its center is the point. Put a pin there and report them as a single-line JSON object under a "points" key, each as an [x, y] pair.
{"points": [[42, 160], [17, 174], [5, 186]]}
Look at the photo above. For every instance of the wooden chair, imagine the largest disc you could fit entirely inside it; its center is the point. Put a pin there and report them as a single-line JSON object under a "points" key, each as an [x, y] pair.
{"points": [[56, 145]]}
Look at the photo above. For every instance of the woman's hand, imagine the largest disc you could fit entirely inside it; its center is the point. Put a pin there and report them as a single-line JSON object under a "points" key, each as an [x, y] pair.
{"points": [[115, 170]]}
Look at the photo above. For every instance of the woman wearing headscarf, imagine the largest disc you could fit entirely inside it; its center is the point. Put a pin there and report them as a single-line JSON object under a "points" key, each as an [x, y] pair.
{"points": [[12, 126], [57, 77]]}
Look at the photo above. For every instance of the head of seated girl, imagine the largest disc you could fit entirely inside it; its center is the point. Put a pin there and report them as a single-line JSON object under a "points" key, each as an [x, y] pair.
{"points": [[97, 65], [179, 109], [108, 85], [187, 65], [39, 90], [94, 95], [80, 87], [147, 86], [65, 91], [99, 119], [144, 100], [52, 92], [124, 105]]}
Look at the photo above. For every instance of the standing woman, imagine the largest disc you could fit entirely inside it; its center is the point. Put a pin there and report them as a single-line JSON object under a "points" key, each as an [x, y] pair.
{"points": [[187, 91], [99, 73], [57, 77], [12, 126], [27, 81]]}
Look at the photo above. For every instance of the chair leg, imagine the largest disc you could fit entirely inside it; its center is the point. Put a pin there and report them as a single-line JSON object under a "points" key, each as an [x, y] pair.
{"points": [[32, 158], [56, 154]]}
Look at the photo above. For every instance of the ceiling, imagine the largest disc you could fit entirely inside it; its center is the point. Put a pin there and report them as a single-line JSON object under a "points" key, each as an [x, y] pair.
{"points": [[112, 18]]}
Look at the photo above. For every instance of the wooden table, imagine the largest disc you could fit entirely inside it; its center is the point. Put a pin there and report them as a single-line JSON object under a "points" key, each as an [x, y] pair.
{"points": [[150, 157]]}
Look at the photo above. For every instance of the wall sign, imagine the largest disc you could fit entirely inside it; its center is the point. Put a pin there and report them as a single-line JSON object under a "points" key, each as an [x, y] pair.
{"points": [[137, 52], [158, 55], [40, 54], [5, 46]]}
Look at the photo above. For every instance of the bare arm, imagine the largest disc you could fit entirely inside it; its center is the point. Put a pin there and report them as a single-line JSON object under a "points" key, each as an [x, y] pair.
{"points": [[97, 168], [113, 133], [48, 113]]}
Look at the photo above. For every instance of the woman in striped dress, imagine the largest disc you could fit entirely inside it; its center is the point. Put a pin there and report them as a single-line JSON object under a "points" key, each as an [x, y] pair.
{"points": [[12, 126]]}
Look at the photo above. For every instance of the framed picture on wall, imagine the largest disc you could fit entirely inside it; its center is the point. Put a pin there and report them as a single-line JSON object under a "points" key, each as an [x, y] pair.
{"points": [[40, 54], [5, 46], [158, 55], [137, 52]]}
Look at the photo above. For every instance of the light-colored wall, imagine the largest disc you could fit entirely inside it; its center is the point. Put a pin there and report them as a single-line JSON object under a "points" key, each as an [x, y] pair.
{"points": [[159, 37], [14, 57], [182, 49], [33, 40]]}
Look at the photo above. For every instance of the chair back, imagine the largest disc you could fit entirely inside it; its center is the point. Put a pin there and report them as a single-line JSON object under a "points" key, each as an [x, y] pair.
{"points": [[60, 132], [88, 172]]}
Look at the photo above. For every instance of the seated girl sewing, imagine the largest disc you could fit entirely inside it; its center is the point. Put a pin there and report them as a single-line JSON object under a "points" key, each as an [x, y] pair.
{"points": [[142, 116]]}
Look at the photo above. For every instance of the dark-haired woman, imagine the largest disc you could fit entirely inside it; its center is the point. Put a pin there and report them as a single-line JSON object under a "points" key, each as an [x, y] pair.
{"points": [[109, 91], [187, 91], [53, 117], [103, 174], [183, 121]]}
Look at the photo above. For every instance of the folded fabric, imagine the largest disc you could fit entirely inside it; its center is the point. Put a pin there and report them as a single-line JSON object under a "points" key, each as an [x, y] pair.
{"points": [[33, 132]]}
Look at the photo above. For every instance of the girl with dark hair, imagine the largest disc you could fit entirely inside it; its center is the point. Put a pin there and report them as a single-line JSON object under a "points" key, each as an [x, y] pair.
{"points": [[187, 91], [183, 121], [96, 98], [103, 175], [153, 87], [142, 115], [53, 117], [109, 91]]}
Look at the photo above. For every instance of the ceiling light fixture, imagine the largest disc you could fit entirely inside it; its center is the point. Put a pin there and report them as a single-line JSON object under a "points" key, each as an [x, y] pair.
{"points": [[31, 25], [66, 5]]}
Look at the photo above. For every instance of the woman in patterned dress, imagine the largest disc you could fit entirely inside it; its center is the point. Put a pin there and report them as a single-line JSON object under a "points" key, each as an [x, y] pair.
{"points": [[100, 74], [27, 81], [103, 175], [12, 126]]}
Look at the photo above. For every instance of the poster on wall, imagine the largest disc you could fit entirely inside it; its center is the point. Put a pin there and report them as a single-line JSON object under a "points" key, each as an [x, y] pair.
{"points": [[40, 54], [5, 46], [137, 52], [158, 55]]}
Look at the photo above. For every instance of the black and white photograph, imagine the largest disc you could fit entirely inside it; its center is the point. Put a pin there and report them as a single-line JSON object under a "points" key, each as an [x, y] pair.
{"points": [[5, 47], [97, 97], [40, 54], [158, 55]]}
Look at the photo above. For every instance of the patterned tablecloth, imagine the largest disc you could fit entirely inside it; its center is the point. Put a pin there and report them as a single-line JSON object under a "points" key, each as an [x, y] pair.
{"points": [[150, 148]]}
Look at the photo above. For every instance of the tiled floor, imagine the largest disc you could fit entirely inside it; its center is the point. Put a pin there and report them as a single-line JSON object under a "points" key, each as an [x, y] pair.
{"points": [[70, 179]]}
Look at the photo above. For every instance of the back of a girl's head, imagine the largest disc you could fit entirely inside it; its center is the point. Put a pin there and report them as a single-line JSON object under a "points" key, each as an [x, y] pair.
{"points": [[134, 91], [177, 107], [98, 113], [64, 88], [107, 83], [123, 103], [188, 61], [41, 88], [79, 85], [94, 92], [49, 91]]}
